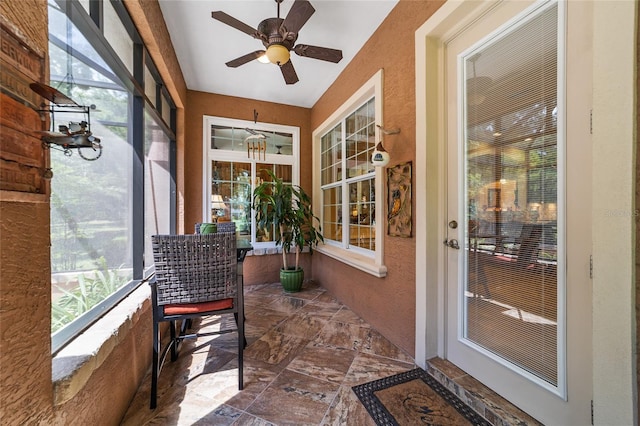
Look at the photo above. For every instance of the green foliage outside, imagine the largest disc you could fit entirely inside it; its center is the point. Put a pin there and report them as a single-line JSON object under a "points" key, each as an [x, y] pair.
{"points": [[92, 289]]}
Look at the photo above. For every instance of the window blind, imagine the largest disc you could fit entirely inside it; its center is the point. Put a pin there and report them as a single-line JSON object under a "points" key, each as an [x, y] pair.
{"points": [[511, 174]]}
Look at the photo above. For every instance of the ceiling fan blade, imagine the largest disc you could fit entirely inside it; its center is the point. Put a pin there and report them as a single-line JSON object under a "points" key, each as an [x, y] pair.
{"points": [[233, 22], [245, 58], [322, 53], [298, 15], [289, 73]]}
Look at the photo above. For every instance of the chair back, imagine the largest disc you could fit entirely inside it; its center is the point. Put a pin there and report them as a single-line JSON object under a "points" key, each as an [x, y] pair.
{"points": [[195, 268]]}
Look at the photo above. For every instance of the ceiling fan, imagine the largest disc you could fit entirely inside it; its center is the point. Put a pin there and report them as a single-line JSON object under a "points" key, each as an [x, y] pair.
{"points": [[278, 37]]}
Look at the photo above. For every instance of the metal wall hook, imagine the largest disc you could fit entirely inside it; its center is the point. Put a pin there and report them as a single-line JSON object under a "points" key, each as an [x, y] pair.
{"points": [[388, 131]]}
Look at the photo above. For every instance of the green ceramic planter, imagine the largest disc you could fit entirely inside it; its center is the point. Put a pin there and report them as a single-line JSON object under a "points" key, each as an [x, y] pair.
{"points": [[291, 279]]}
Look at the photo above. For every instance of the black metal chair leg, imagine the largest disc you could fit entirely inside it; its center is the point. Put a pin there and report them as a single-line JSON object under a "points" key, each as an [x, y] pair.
{"points": [[174, 341], [235, 315], [156, 365]]}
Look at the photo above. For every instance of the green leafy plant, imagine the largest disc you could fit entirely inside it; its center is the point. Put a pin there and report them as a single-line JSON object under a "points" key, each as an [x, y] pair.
{"points": [[90, 291], [288, 208]]}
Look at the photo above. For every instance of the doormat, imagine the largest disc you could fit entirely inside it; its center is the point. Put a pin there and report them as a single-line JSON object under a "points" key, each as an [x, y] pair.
{"points": [[414, 398]]}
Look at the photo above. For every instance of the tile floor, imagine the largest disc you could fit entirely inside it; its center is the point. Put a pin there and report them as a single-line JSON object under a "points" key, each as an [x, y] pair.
{"points": [[305, 351]]}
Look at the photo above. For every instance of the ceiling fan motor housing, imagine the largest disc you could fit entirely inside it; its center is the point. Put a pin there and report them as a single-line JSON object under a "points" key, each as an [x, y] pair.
{"points": [[270, 28]]}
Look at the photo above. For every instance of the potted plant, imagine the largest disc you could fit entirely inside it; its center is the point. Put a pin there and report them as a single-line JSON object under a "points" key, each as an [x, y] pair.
{"points": [[287, 208]]}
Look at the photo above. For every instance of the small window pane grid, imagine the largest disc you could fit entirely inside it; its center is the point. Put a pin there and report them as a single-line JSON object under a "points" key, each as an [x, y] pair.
{"points": [[282, 171], [331, 147], [361, 133], [99, 244], [244, 140], [362, 214], [357, 211], [332, 213], [232, 182], [511, 265], [237, 155]]}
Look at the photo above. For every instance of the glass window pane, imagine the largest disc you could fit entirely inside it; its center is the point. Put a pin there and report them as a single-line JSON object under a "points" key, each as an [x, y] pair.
{"points": [[361, 141], [90, 213], [166, 110], [255, 142], [512, 191], [284, 172], [359, 210], [117, 35], [157, 185], [92, 218], [332, 214], [362, 214], [150, 86], [85, 5], [231, 194], [331, 156]]}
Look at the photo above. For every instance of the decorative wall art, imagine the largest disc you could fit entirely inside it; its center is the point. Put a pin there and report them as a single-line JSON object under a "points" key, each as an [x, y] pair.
{"points": [[399, 190]]}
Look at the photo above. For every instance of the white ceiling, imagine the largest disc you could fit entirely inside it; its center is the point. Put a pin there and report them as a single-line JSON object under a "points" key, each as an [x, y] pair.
{"points": [[203, 45]]}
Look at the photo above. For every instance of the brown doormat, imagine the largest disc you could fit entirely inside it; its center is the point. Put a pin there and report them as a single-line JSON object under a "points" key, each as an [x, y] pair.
{"points": [[414, 398]]}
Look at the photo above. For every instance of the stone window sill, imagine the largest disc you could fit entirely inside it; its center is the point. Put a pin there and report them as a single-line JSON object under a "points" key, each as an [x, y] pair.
{"points": [[356, 260], [73, 366]]}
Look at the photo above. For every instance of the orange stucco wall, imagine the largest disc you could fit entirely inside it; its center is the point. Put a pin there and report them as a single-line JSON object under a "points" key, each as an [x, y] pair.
{"points": [[388, 304], [25, 294]]}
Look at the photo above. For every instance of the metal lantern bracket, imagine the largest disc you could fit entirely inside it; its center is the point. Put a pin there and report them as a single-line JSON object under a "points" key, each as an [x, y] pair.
{"points": [[74, 135]]}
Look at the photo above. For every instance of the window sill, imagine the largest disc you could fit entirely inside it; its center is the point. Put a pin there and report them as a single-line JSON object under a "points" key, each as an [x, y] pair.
{"points": [[73, 366], [356, 260]]}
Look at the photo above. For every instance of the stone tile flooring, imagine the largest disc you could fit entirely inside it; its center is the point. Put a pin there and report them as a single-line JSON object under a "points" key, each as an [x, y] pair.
{"points": [[305, 351]]}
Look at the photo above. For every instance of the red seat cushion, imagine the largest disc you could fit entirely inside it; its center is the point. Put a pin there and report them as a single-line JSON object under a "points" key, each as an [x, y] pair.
{"points": [[197, 308]]}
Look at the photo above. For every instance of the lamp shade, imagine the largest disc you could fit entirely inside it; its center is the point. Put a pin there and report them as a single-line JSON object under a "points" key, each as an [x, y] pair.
{"points": [[278, 54], [380, 156], [217, 202]]}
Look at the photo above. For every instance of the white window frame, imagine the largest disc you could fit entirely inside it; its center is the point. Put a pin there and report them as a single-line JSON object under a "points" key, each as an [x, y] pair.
{"points": [[209, 155], [370, 261]]}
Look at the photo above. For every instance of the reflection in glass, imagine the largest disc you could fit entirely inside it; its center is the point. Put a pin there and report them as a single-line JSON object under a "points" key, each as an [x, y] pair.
{"points": [[511, 178], [332, 214]]}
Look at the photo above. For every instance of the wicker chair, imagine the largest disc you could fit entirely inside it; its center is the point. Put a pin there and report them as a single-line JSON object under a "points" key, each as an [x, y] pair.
{"points": [[195, 276]]}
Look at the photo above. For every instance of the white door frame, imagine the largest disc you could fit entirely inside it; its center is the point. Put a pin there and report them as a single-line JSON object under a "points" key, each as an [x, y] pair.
{"points": [[450, 19], [614, 373]]}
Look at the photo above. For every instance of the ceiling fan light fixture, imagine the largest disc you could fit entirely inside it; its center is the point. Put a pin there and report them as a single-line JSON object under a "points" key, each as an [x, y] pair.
{"points": [[278, 54], [264, 59]]}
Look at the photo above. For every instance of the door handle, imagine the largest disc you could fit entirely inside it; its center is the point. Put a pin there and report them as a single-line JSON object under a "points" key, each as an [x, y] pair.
{"points": [[453, 243]]}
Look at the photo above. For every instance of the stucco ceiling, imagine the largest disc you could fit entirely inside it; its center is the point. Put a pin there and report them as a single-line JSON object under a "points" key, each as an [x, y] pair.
{"points": [[203, 45]]}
